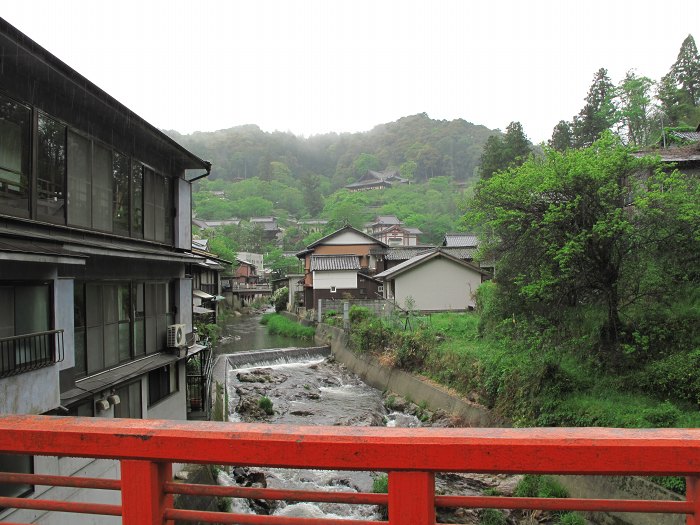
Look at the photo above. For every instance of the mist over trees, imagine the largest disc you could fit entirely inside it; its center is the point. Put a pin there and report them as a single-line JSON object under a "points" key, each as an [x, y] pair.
{"points": [[419, 147]]}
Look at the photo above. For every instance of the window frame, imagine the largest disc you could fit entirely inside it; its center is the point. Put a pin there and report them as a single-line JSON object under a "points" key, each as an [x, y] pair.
{"points": [[173, 369]]}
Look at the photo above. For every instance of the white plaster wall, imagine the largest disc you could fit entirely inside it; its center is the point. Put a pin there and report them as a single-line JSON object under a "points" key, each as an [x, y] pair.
{"points": [[345, 280], [438, 284], [349, 237]]}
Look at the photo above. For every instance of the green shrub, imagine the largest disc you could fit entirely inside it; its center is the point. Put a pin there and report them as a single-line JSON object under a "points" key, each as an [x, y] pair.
{"points": [[673, 483], [266, 404], [380, 485], [664, 415], [571, 518], [537, 486], [359, 314], [492, 517]]}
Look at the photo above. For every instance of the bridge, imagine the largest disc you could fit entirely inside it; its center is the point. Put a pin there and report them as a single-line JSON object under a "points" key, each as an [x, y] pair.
{"points": [[146, 450]]}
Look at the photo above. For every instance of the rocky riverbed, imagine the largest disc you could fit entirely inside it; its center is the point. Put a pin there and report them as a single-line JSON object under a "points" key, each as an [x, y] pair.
{"points": [[323, 392]]}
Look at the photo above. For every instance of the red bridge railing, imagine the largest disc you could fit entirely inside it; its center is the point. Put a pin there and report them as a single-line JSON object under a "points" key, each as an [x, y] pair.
{"points": [[147, 448]]}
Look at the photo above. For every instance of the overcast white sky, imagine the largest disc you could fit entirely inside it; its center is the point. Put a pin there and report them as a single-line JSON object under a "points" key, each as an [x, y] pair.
{"points": [[314, 66]]}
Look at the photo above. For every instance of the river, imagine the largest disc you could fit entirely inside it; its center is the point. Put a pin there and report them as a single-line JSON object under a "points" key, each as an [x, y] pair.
{"points": [[319, 391], [241, 334]]}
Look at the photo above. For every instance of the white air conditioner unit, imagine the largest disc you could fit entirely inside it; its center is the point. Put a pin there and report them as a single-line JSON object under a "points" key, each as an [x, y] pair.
{"points": [[176, 335]]}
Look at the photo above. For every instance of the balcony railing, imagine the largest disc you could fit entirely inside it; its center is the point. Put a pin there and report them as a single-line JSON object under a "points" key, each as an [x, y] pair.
{"points": [[22, 353], [147, 448]]}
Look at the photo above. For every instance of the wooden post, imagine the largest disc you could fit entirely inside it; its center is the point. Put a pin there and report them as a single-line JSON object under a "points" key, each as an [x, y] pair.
{"points": [[692, 494], [143, 499], [411, 498]]}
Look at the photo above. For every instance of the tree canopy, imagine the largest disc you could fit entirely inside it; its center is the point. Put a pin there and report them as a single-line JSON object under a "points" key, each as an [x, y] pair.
{"points": [[590, 228], [504, 152]]}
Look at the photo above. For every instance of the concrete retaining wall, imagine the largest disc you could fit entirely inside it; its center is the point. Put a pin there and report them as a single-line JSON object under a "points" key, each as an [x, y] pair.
{"points": [[437, 397]]}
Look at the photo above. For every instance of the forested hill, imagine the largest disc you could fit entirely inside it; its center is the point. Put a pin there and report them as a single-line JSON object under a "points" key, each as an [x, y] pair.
{"points": [[420, 147]]}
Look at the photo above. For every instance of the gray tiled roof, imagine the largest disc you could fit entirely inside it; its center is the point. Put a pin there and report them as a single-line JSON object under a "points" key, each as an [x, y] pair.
{"points": [[690, 136], [405, 252], [334, 262], [462, 240]]}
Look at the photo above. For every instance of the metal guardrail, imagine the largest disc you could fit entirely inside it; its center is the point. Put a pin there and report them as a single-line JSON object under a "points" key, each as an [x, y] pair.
{"points": [[147, 449], [26, 352]]}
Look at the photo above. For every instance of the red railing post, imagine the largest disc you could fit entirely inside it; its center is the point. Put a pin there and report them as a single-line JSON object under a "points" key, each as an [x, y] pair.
{"points": [[143, 497], [411, 498], [692, 494]]}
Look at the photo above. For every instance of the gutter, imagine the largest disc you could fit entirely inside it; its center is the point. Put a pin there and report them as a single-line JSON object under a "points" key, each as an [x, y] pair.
{"points": [[208, 168]]}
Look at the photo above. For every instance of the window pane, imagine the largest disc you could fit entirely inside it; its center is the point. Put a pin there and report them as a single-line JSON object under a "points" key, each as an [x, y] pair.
{"points": [[32, 309], [137, 200], [15, 120], [80, 354], [111, 345], [102, 189], [151, 337], [94, 304], [120, 187], [111, 303], [139, 338], [79, 303], [79, 181], [124, 342], [124, 302], [159, 207], [51, 171], [149, 196], [7, 311], [95, 351], [169, 219]]}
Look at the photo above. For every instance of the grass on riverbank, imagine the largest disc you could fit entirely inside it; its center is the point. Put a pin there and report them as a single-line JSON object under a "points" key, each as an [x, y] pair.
{"points": [[278, 324], [525, 382], [529, 385]]}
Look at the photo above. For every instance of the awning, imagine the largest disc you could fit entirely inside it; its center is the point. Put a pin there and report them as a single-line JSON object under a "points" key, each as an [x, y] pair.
{"points": [[37, 251], [202, 295], [200, 310]]}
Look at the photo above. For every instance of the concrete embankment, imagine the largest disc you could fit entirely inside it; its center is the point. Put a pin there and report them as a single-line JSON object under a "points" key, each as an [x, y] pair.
{"points": [[438, 397]]}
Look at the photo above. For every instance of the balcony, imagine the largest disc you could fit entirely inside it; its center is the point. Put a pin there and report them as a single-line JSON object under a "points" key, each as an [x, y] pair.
{"points": [[147, 448], [26, 352]]}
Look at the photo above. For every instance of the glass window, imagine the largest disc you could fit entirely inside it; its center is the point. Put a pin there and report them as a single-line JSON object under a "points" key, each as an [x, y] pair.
{"points": [[162, 382], [159, 208], [139, 320], [51, 171], [79, 181], [124, 305], [169, 206], [149, 198], [95, 328], [137, 200], [15, 129], [120, 194], [102, 189]]}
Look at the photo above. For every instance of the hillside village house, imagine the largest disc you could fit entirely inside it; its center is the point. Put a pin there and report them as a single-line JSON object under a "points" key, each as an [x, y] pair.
{"points": [[390, 230], [434, 281], [375, 180], [95, 238], [341, 265]]}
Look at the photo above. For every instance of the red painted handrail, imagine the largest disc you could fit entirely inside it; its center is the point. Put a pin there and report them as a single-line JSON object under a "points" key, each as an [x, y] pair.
{"points": [[147, 448]]}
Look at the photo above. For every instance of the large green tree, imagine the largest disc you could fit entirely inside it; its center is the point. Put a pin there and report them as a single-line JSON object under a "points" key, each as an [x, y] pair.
{"points": [[507, 151], [562, 136], [635, 109], [598, 114], [679, 89], [592, 228]]}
